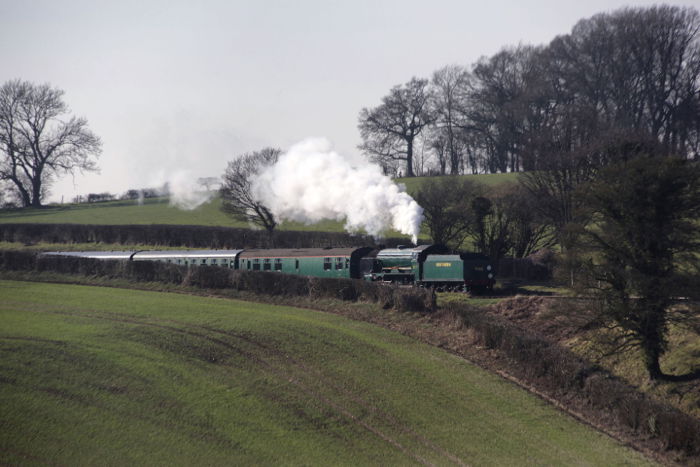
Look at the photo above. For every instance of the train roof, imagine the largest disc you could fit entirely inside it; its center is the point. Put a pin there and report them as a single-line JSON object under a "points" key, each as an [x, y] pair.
{"points": [[93, 254], [301, 252], [160, 254], [409, 251]]}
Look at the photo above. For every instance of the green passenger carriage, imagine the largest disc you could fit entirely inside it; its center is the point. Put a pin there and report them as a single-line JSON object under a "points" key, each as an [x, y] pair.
{"points": [[424, 265]]}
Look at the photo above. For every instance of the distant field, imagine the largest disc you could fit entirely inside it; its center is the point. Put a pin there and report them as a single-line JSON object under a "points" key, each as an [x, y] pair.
{"points": [[159, 211], [152, 211], [414, 183], [118, 377]]}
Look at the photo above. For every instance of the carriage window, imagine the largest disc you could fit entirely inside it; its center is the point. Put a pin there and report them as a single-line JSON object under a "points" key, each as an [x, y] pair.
{"points": [[213, 261], [266, 264], [256, 264], [339, 263], [347, 263], [327, 264], [278, 264], [296, 264], [179, 261], [204, 261]]}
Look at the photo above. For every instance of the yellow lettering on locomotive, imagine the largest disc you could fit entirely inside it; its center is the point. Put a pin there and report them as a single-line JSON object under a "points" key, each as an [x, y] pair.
{"points": [[443, 265], [478, 268]]}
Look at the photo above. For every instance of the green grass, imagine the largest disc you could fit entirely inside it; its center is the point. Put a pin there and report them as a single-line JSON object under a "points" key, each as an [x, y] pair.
{"points": [[159, 211], [445, 299], [105, 376], [414, 183], [45, 246], [152, 211], [682, 357]]}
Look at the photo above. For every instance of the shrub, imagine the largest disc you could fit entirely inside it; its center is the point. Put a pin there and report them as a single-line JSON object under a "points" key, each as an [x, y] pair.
{"points": [[178, 235], [548, 366], [16, 260]]}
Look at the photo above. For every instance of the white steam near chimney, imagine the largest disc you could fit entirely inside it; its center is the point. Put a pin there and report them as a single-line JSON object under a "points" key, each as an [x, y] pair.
{"points": [[311, 182]]}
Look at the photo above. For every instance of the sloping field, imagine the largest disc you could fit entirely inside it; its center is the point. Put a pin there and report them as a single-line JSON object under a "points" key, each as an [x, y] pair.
{"points": [[112, 377], [159, 211], [414, 183], [152, 211]]}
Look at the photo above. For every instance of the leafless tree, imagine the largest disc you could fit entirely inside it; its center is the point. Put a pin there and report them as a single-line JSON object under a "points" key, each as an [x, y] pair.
{"points": [[446, 203], [389, 131], [38, 142], [645, 241], [505, 107], [449, 99], [208, 182], [236, 191], [438, 143], [635, 69]]}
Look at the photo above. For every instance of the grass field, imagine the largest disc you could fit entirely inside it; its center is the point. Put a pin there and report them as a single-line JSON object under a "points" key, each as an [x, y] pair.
{"points": [[413, 183], [112, 377], [159, 211]]}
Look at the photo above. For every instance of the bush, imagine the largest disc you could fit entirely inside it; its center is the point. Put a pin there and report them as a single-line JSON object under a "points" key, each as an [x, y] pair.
{"points": [[179, 235], [549, 367], [213, 277], [17, 260]]}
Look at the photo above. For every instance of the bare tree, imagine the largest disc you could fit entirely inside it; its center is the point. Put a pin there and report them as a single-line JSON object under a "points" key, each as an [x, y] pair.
{"points": [[389, 131], [449, 99], [645, 238], [505, 106], [37, 143], [446, 203], [237, 188], [208, 182], [528, 230], [635, 69]]}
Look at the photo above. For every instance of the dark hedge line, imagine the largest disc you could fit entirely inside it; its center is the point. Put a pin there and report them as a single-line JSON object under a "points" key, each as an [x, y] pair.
{"points": [[523, 268], [213, 277], [566, 377], [194, 236]]}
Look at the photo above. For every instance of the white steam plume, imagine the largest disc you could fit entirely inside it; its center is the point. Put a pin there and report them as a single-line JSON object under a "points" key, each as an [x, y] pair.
{"points": [[184, 190], [311, 182]]}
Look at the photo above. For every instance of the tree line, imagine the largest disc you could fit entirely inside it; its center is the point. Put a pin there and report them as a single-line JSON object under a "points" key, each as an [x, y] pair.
{"points": [[634, 71]]}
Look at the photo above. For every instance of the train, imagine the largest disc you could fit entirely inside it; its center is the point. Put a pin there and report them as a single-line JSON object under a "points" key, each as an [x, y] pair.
{"points": [[431, 266]]}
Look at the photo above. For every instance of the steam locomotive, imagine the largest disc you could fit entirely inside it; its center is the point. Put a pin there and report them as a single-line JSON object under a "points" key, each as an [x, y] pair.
{"points": [[424, 265]]}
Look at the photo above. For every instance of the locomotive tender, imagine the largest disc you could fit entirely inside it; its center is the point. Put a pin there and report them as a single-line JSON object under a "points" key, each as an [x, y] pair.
{"points": [[424, 266]]}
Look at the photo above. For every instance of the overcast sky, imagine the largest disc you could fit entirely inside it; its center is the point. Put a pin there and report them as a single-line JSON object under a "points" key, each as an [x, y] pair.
{"points": [[187, 85]]}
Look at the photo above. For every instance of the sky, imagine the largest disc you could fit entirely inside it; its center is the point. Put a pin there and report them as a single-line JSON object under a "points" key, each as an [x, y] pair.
{"points": [[176, 89]]}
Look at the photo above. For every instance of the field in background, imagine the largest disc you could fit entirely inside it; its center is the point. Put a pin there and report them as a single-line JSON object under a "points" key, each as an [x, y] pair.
{"points": [[159, 211], [95, 375], [152, 211], [414, 183]]}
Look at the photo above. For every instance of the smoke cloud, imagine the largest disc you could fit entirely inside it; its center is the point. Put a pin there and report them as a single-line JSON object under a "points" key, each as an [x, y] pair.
{"points": [[311, 182], [183, 189], [185, 192]]}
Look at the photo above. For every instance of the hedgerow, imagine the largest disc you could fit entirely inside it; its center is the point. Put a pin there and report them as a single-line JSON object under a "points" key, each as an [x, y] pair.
{"points": [[194, 236], [564, 376], [213, 277]]}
